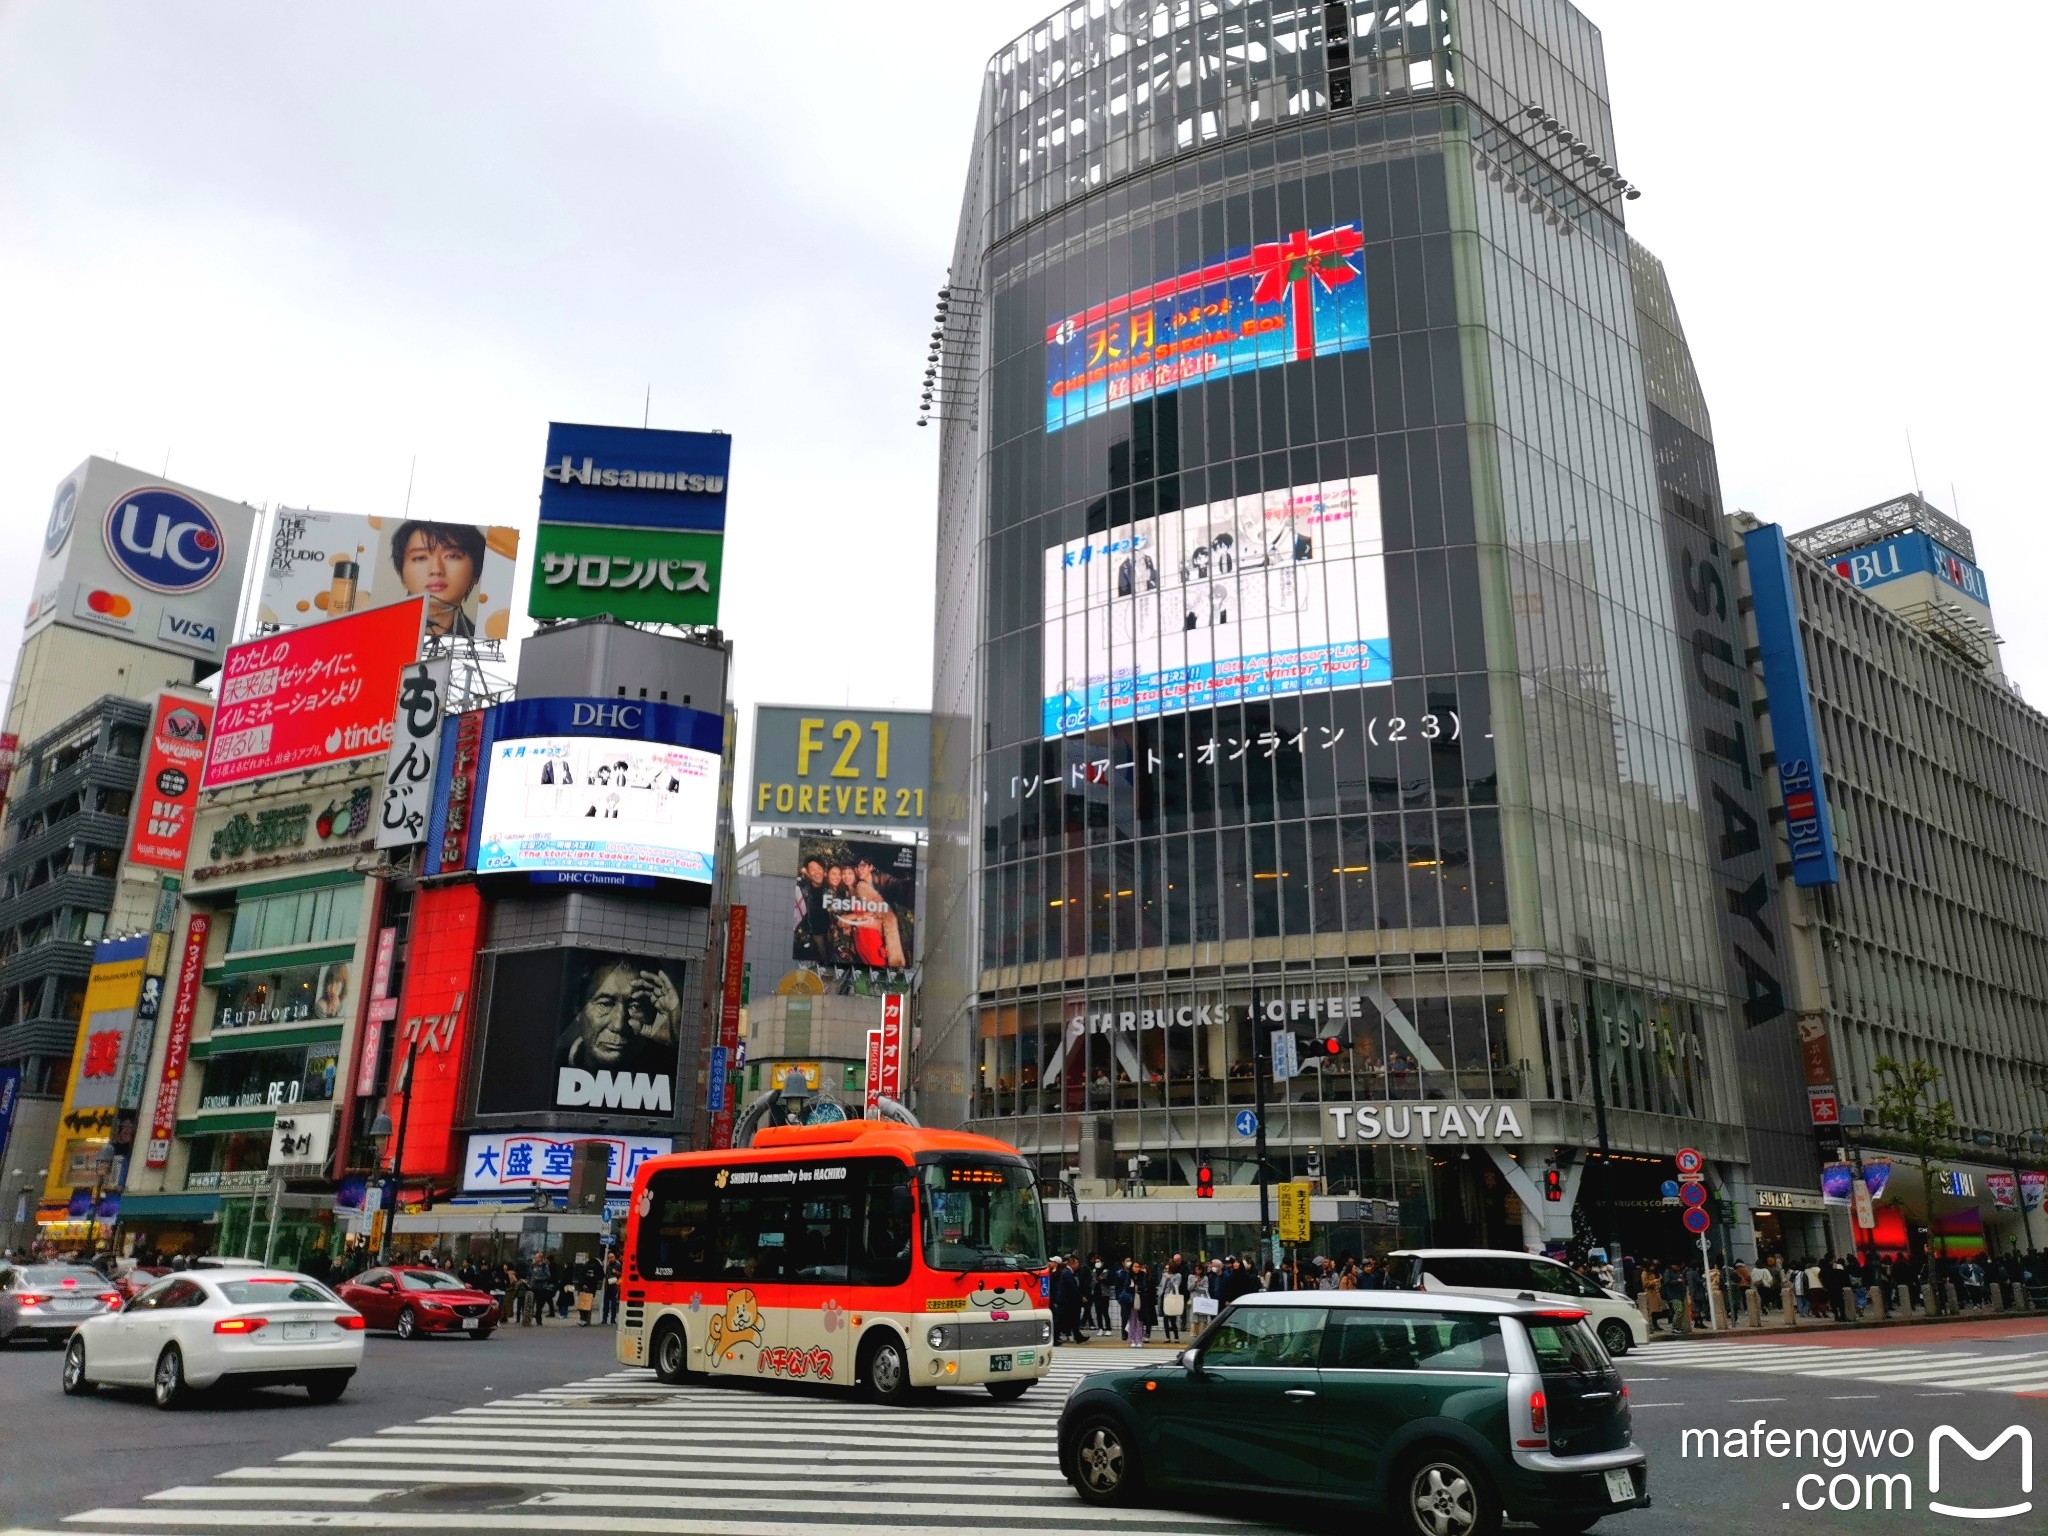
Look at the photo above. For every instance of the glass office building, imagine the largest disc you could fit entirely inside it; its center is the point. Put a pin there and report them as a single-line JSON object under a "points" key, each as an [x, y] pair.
{"points": [[1319, 490]]}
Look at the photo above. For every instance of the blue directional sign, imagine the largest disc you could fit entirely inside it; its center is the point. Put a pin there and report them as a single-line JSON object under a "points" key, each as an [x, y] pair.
{"points": [[1247, 1123], [1670, 1190]]}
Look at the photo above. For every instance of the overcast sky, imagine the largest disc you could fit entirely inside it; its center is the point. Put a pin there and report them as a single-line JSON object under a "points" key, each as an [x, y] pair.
{"points": [[289, 248]]}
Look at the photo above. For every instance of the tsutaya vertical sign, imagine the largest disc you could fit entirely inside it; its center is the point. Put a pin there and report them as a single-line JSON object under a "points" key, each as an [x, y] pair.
{"points": [[874, 1084], [729, 1017], [1809, 829], [178, 1047], [408, 793], [891, 1085]]}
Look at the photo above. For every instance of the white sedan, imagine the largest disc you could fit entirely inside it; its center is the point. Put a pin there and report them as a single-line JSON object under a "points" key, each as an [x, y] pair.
{"points": [[205, 1327]]}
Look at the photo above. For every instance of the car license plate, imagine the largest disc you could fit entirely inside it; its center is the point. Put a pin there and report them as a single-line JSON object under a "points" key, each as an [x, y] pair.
{"points": [[73, 1304], [998, 1363], [1027, 1357], [300, 1330], [1621, 1486], [469, 1322]]}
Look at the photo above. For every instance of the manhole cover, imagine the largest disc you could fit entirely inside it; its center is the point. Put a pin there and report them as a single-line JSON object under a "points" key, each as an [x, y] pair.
{"points": [[479, 1494]]}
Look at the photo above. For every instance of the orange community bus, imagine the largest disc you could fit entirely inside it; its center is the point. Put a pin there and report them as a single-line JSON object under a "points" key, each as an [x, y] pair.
{"points": [[862, 1253]]}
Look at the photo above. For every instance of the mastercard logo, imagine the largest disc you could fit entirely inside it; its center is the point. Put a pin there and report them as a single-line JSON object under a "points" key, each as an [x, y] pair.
{"points": [[112, 604]]}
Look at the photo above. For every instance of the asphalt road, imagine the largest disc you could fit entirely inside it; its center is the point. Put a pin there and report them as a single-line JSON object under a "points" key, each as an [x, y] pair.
{"points": [[60, 1454], [542, 1430]]}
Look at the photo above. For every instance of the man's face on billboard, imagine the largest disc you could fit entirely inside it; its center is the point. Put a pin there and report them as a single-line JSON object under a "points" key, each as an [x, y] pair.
{"points": [[814, 871], [602, 1022]]}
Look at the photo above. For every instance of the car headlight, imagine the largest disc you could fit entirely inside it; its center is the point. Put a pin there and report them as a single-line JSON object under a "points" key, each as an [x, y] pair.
{"points": [[1045, 1333], [936, 1338]]}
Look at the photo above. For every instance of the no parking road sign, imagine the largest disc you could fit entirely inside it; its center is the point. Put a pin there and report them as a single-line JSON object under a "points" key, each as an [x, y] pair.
{"points": [[1697, 1219]]}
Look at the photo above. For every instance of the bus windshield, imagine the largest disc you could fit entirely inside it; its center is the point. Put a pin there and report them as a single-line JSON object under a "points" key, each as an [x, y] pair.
{"points": [[981, 1215]]}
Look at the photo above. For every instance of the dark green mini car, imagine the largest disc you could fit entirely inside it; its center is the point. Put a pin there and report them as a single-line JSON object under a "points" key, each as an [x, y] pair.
{"points": [[1446, 1412]]}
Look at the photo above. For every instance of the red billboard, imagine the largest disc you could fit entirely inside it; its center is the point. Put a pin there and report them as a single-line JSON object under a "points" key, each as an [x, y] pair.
{"points": [[434, 1012], [178, 1046], [729, 1021], [169, 789], [892, 1045], [311, 696]]}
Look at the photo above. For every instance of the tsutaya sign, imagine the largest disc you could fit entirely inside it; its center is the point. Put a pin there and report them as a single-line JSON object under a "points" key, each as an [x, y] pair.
{"points": [[1443, 1120]]}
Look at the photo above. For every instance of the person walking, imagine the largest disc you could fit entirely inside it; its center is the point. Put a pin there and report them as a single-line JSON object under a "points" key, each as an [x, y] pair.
{"points": [[1652, 1297], [541, 1280], [611, 1288], [589, 1281], [1101, 1287], [1173, 1298], [1124, 1301], [1137, 1302]]}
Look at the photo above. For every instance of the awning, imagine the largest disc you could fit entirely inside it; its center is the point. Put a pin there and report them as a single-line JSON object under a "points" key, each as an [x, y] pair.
{"points": [[472, 1219], [180, 1207]]}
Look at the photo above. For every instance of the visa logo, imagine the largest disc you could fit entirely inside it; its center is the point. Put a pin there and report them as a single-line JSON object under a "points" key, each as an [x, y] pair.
{"points": [[187, 630]]}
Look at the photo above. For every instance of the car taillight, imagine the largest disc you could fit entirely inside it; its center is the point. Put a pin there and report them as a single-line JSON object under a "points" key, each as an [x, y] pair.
{"points": [[31, 1298], [239, 1324], [111, 1298], [1539, 1422], [351, 1322], [1559, 1315]]}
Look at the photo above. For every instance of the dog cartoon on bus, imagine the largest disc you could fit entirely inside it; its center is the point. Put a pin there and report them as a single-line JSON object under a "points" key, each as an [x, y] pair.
{"points": [[999, 1300], [740, 1323]]}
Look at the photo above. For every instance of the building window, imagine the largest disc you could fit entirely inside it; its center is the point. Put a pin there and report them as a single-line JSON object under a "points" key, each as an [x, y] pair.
{"points": [[325, 916]]}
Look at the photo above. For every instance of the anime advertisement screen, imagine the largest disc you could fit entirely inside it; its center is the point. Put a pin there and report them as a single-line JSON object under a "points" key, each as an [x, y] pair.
{"points": [[1283, 592], [600, 805]]}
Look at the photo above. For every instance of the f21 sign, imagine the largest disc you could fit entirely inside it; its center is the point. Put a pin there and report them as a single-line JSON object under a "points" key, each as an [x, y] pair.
{"points": [[408, 793]]}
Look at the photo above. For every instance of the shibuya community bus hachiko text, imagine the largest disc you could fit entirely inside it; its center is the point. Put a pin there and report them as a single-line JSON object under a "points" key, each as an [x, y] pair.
{"points": [[861, 1253]]}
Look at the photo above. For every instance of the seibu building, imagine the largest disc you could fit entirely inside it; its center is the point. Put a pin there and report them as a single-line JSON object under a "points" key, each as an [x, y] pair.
{"points": [[1335, 639]]}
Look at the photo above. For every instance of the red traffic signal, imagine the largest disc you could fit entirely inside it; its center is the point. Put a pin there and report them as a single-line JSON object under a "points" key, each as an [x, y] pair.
{"points": [[1332, 1046], [1205, 1183], [1553, 1184]]}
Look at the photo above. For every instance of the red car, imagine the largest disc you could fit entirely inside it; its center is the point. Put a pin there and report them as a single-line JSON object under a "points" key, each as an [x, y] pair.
{"points": [[416, 1302]]}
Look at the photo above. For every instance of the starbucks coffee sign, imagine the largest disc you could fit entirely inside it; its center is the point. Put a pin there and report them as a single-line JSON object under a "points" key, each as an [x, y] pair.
{"points": [[1447, 1120]]}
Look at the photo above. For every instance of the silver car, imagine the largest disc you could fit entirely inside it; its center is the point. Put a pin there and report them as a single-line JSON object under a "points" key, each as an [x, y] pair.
{"points": [[47, 1301]]}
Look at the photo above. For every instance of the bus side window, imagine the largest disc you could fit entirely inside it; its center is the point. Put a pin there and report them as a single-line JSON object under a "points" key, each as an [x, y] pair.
{"points": [[881, 1253], [753, 1237], [824, 1229], [675, 1235]]}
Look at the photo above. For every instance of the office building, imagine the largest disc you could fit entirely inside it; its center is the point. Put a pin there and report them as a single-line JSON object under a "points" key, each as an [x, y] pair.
{"points": [[1322, 476]]}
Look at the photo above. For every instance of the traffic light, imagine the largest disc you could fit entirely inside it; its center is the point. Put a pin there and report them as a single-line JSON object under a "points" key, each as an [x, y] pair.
{"points": [[1332, 1046], [1553, 1184], [1205, 1183]]}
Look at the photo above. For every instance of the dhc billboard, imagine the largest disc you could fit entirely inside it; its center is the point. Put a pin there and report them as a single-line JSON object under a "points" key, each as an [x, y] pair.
{"points": [[1808, 826]]}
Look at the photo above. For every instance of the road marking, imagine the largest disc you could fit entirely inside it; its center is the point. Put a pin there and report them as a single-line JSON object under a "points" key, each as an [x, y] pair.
{"points": [[1634, 1404], [1734, 1400], [1941, 1394], [309, 1494], [1859, 1397]]}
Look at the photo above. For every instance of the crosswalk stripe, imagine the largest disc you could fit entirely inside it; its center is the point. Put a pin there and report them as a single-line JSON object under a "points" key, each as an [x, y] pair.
{"points": [[2023, 1371], [620, 1454], [878, 1475]]}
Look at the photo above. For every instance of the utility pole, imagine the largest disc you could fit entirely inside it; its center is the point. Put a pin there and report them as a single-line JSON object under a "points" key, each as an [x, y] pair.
{"points": [[1262, 1057]]}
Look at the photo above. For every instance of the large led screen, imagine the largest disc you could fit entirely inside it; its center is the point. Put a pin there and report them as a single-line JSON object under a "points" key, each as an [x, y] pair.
{"points": [[582, 1029], [1279, 593], [1279, 302], [856, 904], [600, 805]]}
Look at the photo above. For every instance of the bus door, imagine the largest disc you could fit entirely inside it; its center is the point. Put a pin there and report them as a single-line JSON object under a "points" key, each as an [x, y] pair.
{"points": [[744, 1304]]}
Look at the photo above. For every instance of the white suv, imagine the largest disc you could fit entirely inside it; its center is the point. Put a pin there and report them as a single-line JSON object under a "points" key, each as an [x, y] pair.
{"points": [[1498, 1272]]}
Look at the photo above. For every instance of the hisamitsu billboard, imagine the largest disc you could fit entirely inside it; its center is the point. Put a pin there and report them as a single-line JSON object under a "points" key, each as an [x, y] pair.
{"points": [[634, 477]]}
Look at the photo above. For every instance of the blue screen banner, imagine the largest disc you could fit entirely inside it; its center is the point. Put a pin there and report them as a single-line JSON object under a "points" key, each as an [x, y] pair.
{"points": [[10, 1095], [1809, 828]]}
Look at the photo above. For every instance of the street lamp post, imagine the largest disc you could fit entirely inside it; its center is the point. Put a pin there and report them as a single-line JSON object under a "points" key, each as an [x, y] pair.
{"points": [[382, 1127]]}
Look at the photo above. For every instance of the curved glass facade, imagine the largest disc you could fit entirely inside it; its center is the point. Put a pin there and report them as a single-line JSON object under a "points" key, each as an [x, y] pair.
{"points": [[1308, 639]]}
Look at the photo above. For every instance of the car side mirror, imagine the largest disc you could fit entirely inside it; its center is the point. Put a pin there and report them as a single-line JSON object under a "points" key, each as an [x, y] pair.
{"points": [[387, 1285], [1190, 1360]]}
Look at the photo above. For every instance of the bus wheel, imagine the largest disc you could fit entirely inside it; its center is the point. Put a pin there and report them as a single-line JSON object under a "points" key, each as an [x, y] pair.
{"points": [[671, 1354], [1007, 1391], [885, 1370]]}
